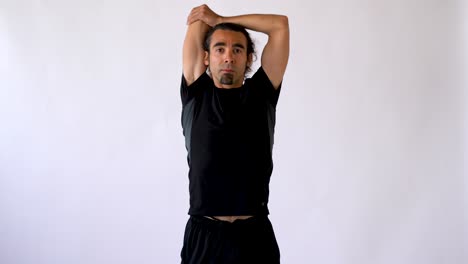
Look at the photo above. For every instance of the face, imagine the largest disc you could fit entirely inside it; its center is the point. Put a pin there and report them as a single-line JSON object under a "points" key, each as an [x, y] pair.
{"points": [[227, 58]]}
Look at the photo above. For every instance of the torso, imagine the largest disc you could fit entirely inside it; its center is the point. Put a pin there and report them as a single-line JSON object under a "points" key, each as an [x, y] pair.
{"points": [[229, 138]]}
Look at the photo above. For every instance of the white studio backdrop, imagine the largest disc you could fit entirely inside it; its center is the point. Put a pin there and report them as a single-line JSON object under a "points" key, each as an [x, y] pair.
{"points": [[369, 150]]}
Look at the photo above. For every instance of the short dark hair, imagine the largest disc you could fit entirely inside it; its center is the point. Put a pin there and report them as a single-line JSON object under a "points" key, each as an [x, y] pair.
{"points": [[232, 27]]}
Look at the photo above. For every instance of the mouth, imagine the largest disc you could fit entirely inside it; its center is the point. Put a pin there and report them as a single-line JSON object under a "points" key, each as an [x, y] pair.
{"points": [[227, 70]]}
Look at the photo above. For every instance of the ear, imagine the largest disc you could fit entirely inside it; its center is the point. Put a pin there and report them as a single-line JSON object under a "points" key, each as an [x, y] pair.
{"points": [[207, 59], [249, 59]]}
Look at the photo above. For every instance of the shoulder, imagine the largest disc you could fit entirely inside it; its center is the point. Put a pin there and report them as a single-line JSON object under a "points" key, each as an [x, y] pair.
{"points": [[203, 79], [261, 78], [260, 84], [188, 92]]}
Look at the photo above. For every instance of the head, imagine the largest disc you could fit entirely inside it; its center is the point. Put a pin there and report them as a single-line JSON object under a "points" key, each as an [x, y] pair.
{"points": [[229, 52]]}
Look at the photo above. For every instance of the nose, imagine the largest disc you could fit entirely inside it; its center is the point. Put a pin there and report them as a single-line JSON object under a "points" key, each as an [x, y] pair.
{"points": [[229, 58]]}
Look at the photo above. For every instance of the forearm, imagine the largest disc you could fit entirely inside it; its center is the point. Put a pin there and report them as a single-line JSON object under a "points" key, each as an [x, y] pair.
{"points": [[264, 23]]}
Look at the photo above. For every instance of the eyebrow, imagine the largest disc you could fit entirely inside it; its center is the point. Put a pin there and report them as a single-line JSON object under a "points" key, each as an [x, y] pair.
{"points": [[238, 45]]}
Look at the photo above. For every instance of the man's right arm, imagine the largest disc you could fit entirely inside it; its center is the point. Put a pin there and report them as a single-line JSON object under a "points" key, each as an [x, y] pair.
{"points": [[193, 52]]}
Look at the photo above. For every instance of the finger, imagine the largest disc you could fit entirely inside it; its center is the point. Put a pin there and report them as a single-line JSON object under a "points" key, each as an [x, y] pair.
{"points": [[195, 16], [191, 14], [192, 18]]}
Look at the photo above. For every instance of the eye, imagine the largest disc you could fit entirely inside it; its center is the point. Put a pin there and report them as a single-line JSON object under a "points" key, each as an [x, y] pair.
{"points": [[220, 50], [237, 51]]}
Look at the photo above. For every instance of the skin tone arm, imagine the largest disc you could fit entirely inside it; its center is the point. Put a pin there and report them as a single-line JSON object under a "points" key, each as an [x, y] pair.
{"points": [[276, 52], [193, 53]]}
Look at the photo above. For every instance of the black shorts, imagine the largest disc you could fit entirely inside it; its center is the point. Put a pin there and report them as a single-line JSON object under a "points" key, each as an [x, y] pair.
{"points": [[209, 241]]}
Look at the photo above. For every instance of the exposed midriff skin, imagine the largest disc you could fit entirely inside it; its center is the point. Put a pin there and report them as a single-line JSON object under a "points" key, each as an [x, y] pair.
{"points": [[231, 218]]}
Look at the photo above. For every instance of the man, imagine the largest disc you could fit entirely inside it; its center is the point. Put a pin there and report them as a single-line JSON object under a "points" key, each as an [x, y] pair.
{"points": [[228, 123]]}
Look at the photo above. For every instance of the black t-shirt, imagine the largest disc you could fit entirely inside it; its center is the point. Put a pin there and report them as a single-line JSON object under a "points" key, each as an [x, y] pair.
{"points": [[229, 138]]}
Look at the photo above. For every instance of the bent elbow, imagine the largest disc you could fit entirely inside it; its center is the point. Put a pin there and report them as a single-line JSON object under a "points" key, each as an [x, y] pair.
{"points": [[284, 21]]}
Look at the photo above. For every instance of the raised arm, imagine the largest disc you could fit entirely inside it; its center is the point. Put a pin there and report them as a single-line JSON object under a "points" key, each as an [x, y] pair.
{"points": [[275, 55], [193, 52]]}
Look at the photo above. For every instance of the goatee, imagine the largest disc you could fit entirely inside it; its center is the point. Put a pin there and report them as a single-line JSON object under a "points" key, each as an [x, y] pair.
{"points": [[227, 79]]}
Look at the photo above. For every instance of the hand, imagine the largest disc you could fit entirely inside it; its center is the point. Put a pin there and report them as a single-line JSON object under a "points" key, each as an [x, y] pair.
{"points": [[205, 14]]}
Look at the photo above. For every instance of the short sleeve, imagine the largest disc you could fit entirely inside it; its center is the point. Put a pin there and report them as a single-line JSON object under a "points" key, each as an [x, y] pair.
{"points": [[261, 81], [188, 92]]}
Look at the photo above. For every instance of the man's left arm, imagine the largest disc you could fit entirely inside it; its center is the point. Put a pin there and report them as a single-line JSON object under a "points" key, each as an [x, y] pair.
{"points": [[275, 55]]}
